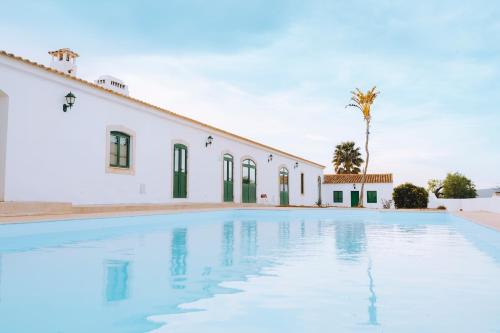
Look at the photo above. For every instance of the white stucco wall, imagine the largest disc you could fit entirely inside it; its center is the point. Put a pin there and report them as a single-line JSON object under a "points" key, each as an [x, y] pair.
{"points": [[384, 192], [4, 106], [61, 157], [468, 205]]}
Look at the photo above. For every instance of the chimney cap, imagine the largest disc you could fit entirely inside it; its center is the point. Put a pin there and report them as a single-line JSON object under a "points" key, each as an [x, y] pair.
{"points": [[66, 50]]}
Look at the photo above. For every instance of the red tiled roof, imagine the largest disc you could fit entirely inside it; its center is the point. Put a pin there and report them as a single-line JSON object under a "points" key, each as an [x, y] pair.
{"points": [[352, 179]]}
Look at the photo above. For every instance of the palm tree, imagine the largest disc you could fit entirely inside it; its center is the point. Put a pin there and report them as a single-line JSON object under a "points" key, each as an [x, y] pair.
{"points": [[364, 102], [347, 158]]}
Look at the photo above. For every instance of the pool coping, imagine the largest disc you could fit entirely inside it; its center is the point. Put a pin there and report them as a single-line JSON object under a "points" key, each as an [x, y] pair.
{"points": [[487, 219]]}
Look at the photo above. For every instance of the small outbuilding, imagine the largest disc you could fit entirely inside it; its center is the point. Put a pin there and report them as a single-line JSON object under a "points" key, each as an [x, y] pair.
{"points": [[343, 190]]}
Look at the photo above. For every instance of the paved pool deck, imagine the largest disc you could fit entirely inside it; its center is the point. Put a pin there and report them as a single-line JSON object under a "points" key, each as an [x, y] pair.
{"points": [[487, 219]]}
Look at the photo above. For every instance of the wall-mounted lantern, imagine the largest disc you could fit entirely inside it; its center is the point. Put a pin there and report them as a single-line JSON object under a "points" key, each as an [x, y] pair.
{"points": [[210, 139], [70, 101], [354, 186], [269, 158], [296, 165]]}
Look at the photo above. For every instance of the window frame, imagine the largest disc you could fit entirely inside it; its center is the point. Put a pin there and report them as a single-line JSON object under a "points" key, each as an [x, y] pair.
{"points": [[119, 135], [369, 197], [335, 196], [130, 171], [180, 166], [302, 183]]}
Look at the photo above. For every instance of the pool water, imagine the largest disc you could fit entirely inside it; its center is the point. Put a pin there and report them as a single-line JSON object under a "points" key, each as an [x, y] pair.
{"points": [[248, 271]]}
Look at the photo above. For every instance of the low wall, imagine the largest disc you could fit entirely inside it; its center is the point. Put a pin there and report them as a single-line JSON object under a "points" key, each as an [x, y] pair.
{"points": [[467, 205]]}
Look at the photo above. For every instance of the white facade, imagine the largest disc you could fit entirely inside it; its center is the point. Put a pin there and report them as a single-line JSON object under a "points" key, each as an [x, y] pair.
{"points": [[384, 193], [49, 155]]}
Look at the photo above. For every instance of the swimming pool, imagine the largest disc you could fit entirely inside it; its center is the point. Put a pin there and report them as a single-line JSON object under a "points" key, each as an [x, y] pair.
{"points": [[312, 270]]}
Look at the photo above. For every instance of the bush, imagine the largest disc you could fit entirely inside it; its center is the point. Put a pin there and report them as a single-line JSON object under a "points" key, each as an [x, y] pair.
{"points": [[441, 207], [457, 186], [410, 196]]}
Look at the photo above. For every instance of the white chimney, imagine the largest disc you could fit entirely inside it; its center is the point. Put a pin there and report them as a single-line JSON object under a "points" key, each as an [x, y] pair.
{"points": [[112, 83], [64, 60]]}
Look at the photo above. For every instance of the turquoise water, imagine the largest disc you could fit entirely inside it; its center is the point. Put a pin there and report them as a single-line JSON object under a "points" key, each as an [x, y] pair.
{"points": [[243, 271]]}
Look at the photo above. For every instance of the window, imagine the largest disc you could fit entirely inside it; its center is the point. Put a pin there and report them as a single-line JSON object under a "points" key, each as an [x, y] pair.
{"points": [[249, 180], [180, 171], [117, 277], [119, 150], [338, 196], [371, 196], [302, 183]]}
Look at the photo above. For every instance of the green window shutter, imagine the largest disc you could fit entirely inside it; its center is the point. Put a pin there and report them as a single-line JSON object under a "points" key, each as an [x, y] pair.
{"points": [[180, 171], [228, 177], [371, 196], [249, 182], [338, 196]]}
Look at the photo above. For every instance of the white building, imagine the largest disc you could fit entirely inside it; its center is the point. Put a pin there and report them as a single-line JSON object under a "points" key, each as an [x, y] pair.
{"points": [[63, 139], [344, 190]]}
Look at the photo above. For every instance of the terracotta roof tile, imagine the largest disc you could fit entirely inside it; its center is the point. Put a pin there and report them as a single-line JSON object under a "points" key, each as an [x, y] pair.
{"points": [[352, 179], [157, 108]]}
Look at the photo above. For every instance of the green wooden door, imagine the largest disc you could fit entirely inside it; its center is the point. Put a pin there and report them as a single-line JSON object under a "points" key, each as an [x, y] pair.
{"points": [[284, 201], [249, 182], [228, 178], [354, 198], [180, 171]]}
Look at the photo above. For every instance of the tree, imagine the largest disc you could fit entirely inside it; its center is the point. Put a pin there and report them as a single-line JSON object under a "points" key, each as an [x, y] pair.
{"points": [[457, 186], [435, 186], [363, 102], [410, 196], [347, 158]]}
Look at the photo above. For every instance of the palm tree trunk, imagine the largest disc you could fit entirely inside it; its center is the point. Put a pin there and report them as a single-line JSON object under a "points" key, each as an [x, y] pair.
{"points": [[363, 179]]}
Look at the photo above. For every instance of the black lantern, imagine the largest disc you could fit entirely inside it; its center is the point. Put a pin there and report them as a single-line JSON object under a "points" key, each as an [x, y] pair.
{"points": [[70, 101], [296, 165], [270, 158], [354, 186], [209, 141]]}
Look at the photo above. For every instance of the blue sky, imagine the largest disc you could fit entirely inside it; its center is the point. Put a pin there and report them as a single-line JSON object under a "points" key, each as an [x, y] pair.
{"points": [[280, 72]]}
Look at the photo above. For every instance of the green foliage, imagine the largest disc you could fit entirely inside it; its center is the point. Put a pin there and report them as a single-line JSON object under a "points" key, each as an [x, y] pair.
{"points": [[410, 196], [457, 186], [435, 186], [347, 158]]}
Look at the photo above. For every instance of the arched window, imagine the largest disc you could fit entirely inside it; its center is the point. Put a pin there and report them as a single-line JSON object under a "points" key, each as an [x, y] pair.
{"points": [[249, 182], [284, 197], [119, 150], [228, 169], [180, 171]]}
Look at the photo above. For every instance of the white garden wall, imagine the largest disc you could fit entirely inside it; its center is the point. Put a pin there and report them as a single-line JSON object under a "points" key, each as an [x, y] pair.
{"points": [[476, 204], [54, 156]]}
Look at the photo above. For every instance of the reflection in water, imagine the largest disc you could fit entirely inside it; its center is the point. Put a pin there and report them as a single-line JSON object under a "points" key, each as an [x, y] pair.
{"points": [[227, 244], [304, 286], [320, 228], [178, 266], [117, 278], [248, 239], [372, 308], [350, 239], [284, 233], [0, 278]]}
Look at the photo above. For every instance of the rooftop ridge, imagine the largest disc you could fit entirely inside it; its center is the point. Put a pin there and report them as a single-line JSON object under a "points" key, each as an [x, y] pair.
{"points": [[157, 108], [357, 178]]}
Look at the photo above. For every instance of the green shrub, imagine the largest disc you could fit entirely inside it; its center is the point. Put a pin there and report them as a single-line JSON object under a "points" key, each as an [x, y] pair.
{"points": [[457, 186], [410, 196]]}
